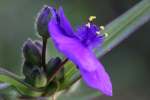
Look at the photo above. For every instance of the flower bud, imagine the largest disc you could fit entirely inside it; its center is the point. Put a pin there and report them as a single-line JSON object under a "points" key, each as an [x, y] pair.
{"points": [[53, 65], [42, 20], [39, 45], [27, 69], [39, 77], [32, 53], [34, 75]]}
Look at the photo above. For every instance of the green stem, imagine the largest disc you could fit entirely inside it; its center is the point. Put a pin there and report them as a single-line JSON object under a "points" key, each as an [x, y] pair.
{"points": [[44, 53], [72, 82], [56, 71]]}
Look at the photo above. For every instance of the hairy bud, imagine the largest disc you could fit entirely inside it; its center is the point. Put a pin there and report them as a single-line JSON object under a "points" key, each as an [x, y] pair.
{"points": [[32, 52], [42, 21], [39, 77], [52, 65]]}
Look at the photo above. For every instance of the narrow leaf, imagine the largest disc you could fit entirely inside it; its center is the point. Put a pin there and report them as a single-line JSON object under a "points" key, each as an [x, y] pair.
{"points": [[78, 91], [21, 86], [124, 25]]}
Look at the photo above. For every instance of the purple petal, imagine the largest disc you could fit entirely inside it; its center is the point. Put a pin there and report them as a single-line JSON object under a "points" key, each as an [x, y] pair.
{"points": [[98, 79], [64, 23], [72, 48]]}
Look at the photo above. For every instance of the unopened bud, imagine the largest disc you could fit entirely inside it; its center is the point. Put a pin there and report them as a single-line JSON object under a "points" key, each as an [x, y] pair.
{"points": [[31, 53], [53, 65], [27, 69], [39, 77], [39, 45], [42, 21]]}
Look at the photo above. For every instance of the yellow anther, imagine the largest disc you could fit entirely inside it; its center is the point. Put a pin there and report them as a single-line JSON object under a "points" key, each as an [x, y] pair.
{"points": [[102, 27], [88, 25], [98, 32], [106, 34], [91, 18]]}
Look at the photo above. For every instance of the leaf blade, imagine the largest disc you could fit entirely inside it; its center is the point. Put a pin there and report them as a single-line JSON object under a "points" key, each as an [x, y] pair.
{"points": [[14, 80]]}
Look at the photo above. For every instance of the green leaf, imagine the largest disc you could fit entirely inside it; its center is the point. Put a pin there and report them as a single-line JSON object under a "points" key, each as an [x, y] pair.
{"points": [[78, 91], [117, 30], [123, 26], [8, 92], [21, 86]]}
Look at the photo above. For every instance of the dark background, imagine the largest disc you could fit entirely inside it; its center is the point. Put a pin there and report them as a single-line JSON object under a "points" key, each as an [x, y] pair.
{"points": [[128, 63]]}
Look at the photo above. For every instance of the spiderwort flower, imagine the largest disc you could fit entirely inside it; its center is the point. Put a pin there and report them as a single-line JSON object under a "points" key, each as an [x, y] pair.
{"points": [[77, 46]]}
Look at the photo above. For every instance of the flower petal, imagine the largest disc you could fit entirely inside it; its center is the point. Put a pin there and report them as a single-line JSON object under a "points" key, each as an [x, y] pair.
{"points": [[98, 79], [72, 48], [64, 23]]}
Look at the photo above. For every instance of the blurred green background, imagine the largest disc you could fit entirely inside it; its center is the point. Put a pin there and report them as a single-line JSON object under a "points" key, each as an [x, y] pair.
{"points": [[128, 63]]}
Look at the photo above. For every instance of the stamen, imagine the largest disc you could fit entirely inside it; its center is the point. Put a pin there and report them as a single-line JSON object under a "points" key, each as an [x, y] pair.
{"points": [[88, 25], [106, 34], [98, 32], [91, 18], [102, 27]]}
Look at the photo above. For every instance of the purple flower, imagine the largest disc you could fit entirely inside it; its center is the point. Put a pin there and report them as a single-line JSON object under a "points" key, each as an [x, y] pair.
{"points": [[77, 46]]}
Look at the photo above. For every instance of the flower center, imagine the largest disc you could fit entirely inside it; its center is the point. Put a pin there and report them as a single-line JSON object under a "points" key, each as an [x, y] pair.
{"points": [[101, 28]]}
